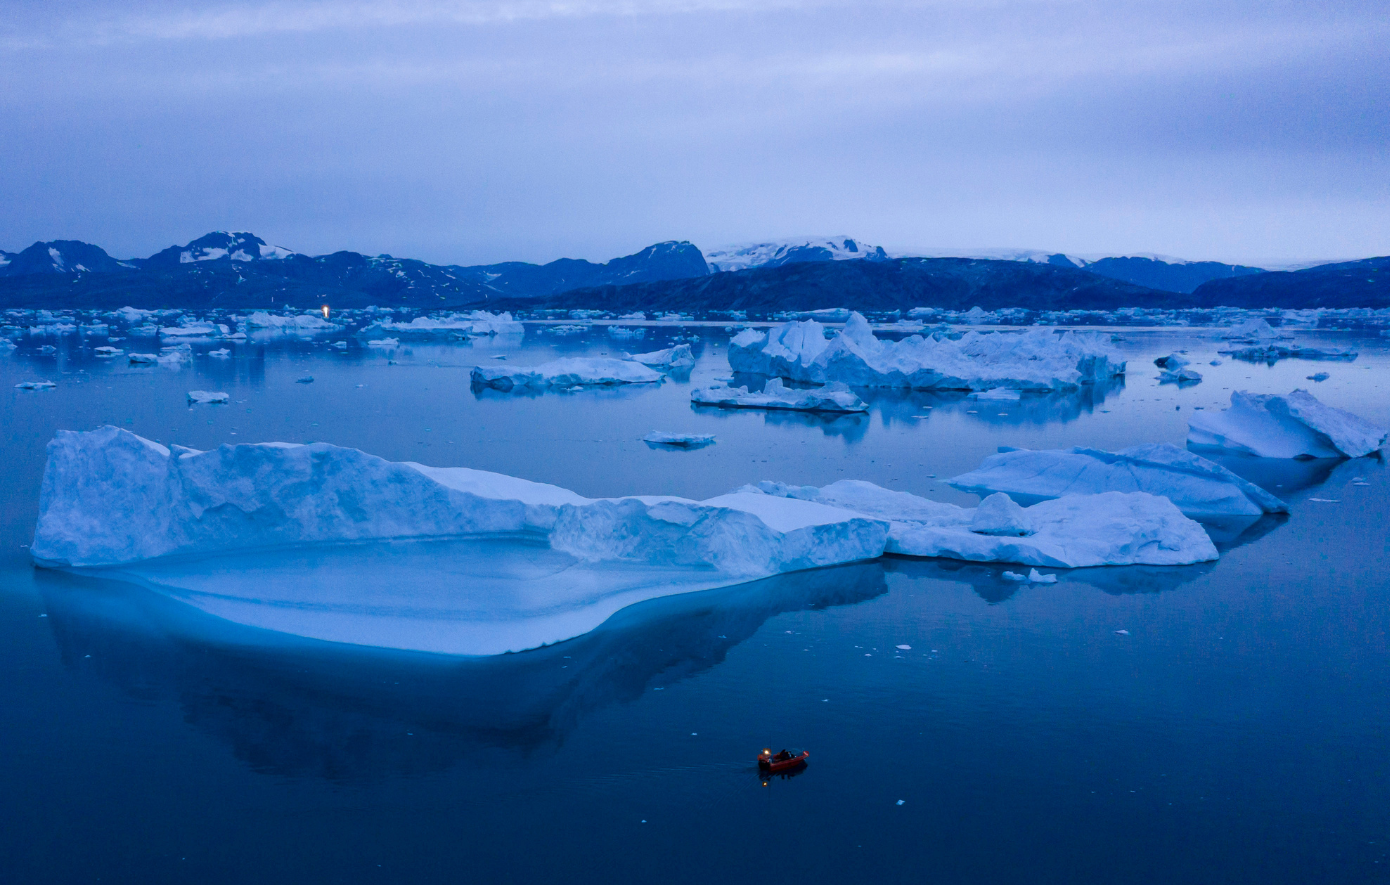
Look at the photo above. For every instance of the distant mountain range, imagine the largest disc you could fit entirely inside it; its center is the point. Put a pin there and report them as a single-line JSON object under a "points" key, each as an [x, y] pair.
{"points": [[240, 270]]}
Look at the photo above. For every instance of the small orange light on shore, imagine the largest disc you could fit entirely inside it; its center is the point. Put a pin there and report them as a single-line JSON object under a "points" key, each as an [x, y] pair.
{"points": [[325, 311]]}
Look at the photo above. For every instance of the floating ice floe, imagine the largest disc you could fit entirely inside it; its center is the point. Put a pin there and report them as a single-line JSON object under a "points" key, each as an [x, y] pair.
{"points": [[570, 562], [1319, 377], [1181, 375], [1198, 487], [1268, 353], [476, 324], [106, 351], [175, 357], [194, 329], [679, 440], [565, 373], [140, 359], [1293, 426], [678, 357], [304, 379], [1075, 531], [208, 396], [626, 332], [221, 353], [1036, 359], [384, 343], [311, 323], [35, 385], [1255, 329], [834, 397]]}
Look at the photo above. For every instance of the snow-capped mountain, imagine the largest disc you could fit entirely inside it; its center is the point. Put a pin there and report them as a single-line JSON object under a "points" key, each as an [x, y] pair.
{"points": [[779, 252], [60, 256], [234, 246]]}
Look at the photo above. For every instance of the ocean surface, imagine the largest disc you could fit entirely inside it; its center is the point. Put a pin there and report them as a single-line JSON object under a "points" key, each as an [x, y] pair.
{"points": [[962, 728]]}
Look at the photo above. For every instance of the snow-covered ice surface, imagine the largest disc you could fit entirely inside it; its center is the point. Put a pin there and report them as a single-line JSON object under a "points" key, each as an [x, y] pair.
{"points": [[181, 506], [833, 397], [1034, 359], [1074, 531], [1294, 426], [1198, 487], [474, 324], [565, 373]]}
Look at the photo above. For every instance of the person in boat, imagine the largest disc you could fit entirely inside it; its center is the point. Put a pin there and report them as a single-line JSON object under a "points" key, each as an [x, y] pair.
{"points": [[783, 756]]}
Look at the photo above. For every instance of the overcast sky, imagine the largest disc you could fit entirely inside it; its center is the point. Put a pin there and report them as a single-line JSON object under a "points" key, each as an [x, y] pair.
{"points": [[471, 132]]}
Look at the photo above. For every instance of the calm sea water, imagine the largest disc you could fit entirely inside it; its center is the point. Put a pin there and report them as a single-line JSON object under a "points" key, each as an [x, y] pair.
{"points": [[1238, 733]]}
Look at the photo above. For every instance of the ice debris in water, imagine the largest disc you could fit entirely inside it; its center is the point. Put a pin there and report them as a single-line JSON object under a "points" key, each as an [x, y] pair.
{"points": [[1074, 531], [679, 440], [221, 353], [1035, 359], [107, 351], [111, 498], [138, 359], [565, 373], [207, 396], [834, 397], [35, 385], [306, 379], [384, 343], [1319, 377], [1014, 576], [1293, 426], [678, 357], [1198, 487]]}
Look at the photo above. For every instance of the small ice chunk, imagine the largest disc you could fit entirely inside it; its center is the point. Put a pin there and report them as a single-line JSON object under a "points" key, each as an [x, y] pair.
{"points": [[35, 385], [143, 359], [221, 353], [1319, 377], [904, 647], [835, 397], [679, 440], [1037, 577], [1121, 632], [1014, 576], [207, 396], [1000, 515], [307, 379]]}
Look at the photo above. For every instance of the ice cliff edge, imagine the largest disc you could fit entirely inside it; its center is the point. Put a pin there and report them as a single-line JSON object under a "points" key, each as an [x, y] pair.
{"points": [[110, 497]]}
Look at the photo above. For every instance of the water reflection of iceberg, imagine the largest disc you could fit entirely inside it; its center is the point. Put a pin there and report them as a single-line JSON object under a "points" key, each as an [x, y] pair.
{"points": [[294, 707], [989, 582], [1032, 407]]}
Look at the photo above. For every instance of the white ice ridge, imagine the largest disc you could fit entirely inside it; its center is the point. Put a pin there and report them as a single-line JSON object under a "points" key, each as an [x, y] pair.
{"points": [[678, 357], [1293, 426], [566, 372], [834, 397], [1198, 487], [1036, 359], [1075, 531], [475, 324], [110, 497]]}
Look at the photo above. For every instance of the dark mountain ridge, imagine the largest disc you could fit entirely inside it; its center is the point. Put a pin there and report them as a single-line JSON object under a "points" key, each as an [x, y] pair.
{"points": [[1364, 283]]}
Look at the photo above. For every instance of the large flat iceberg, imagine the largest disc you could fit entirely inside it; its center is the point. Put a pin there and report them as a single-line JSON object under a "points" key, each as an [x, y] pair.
{"points": [[564, 373], [1074, 531], [1036, 359], [1293, 426], [113, 500], [475, 324], [1198, 487]]}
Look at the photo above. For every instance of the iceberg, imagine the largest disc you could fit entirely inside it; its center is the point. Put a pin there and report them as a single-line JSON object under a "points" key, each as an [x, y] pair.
{"points": [[220, 353], [565, 373], [678, 440], [177, 518], [106, 351], [1293, 426], [35, 385], [1198, 487], [1268, 353], [384, 343], [1035, 359], [1074, 531], [835, 397], [475, 324], [1180, 375], [678, 357], [311, 323], [140, 359], [208, 396], [194, 329], [1255, 329]]}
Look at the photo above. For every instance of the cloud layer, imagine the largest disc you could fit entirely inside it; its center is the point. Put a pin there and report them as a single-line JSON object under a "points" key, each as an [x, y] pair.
{"points": [[483, 131]]}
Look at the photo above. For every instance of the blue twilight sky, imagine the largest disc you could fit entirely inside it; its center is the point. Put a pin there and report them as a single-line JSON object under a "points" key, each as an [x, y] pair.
{"points": [[468, 132]]}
